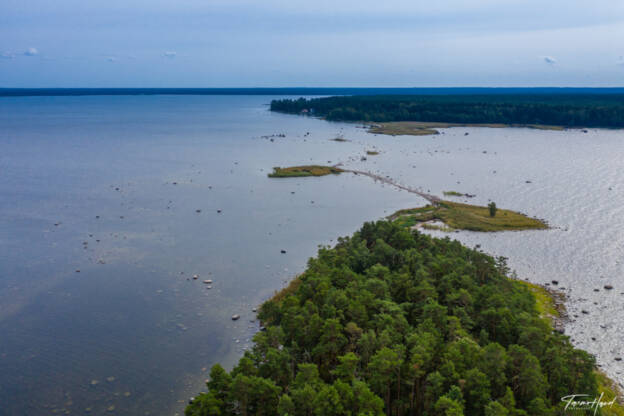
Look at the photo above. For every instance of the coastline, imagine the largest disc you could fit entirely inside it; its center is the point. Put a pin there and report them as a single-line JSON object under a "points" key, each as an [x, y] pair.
{"points": [[277, 314], [534, 111], [551, 304]]}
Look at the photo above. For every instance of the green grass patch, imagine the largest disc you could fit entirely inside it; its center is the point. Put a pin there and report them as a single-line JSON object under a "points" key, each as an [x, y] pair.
{"points": [[308, 170], [372, 152], [467, 217], [402, 128], [611, 391], [339, 139], [545, 303], [452, 193]]}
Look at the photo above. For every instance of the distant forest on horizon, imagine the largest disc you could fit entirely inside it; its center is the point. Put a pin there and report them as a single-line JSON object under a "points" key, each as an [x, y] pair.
{"points": [[567, 110]]}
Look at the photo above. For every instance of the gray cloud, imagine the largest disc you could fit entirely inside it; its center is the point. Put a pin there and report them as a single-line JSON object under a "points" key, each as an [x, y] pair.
{"points": [[170, 54], [549, 60], [7, 55]]}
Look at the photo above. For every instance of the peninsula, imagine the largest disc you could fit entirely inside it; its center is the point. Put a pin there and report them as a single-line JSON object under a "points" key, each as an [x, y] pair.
{"points": [[494, 110], [394, 322]]}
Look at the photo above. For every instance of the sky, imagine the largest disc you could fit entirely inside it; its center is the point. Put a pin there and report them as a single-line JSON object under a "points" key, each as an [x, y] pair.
{"points": [[319, 43]]}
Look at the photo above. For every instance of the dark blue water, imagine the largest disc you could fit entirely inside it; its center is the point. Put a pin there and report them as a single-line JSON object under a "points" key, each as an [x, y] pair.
{"points": [[110, 186]]}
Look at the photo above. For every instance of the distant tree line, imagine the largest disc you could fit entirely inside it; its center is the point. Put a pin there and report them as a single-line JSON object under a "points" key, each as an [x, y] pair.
{"points": [[570, 110], [395, 322]]}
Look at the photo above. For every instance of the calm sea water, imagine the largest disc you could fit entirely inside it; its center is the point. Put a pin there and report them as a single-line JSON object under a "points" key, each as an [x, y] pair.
{"points": [[111, 186]]}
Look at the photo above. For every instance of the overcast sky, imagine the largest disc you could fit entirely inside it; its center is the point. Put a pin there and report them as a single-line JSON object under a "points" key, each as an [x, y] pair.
{"points": [[272, 43]]}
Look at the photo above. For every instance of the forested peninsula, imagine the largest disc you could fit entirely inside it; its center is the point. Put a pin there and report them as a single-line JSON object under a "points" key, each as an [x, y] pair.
{"points": [[565, 110], [391, 321]]}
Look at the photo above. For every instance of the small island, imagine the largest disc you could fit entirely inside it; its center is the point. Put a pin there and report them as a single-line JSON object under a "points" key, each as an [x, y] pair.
{"points": [[417, 128], [457, 216], [300, 171], [403, 128], [458, 194], [453, 193]]}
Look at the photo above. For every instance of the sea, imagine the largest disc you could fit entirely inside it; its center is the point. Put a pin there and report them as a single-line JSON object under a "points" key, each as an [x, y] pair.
{"points": [[132, 228]]}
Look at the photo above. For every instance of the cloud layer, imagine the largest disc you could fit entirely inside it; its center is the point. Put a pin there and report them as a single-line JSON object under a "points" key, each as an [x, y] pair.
{"points": [[320, 43]]}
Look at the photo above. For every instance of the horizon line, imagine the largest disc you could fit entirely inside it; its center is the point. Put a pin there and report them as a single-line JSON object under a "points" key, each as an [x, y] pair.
{"points": [[95, 91]]}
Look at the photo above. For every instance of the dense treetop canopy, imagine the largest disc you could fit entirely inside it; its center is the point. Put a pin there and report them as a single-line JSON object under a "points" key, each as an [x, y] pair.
{"points": [[392, 321], [569, 110]]}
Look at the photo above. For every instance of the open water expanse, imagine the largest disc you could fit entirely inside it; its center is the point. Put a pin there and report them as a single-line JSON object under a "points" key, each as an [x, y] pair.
{"points": [[110, 204]]}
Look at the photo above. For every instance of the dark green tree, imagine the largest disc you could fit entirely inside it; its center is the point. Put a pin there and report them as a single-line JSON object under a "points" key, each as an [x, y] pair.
{"points": [[492, 208]]}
